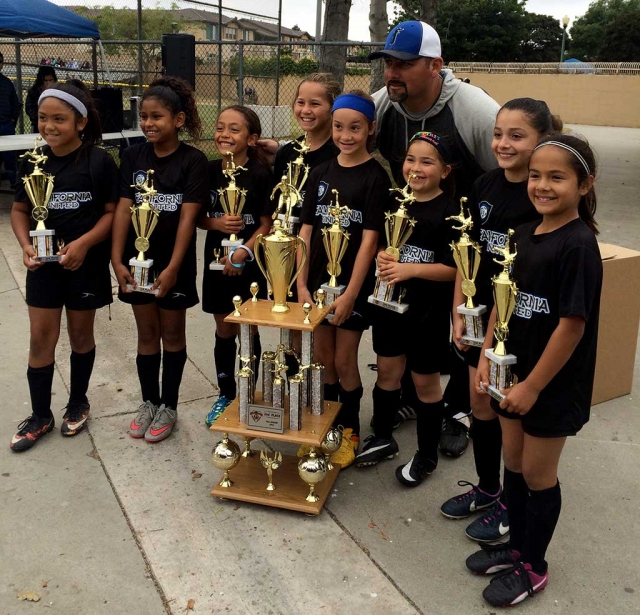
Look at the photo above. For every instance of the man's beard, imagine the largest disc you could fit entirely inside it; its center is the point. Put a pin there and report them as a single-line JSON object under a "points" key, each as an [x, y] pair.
{"points": [[397, 96]]}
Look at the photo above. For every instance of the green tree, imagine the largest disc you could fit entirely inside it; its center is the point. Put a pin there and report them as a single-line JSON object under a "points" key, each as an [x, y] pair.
{"points": [[589, 32], [543, 41], [622, 39]]}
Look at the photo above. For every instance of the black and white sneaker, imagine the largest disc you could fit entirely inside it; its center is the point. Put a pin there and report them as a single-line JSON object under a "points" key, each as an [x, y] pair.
{"points": [[492, 558], [376, 450], [454, 438], [413, 473], [492, 526], [404, 413]]}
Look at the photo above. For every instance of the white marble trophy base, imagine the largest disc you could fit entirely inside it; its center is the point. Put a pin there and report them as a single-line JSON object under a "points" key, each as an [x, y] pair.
{"points": [[331, 293], [214, 266], [43, 246], [384, 289], [293, 223], [140, 271], [499, 373], [473, 325], [227, 243]]}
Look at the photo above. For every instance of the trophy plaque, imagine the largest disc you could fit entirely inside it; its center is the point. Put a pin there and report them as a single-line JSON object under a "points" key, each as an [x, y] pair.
{"points": [[466, 254], [144, 218], [398, 229], [39, 187], [504, 294]]}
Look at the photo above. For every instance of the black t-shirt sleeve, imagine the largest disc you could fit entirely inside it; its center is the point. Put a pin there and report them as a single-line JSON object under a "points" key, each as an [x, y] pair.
{"points": [[126, 172], [580, 273], [196, 187], [308, 212]]}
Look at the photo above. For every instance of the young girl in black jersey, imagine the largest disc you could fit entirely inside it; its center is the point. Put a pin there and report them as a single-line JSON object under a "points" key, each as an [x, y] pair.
{"points": [[553, 333], [419, 338], [237, 132], [167, 108], [80, 212], [363, 186], [499, 202]]}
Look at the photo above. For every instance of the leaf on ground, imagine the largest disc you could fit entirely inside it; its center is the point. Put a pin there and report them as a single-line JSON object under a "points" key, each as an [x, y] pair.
{"points": [[44, 583], [190, 605], [29, 595], [372, 525], [195, 475]]}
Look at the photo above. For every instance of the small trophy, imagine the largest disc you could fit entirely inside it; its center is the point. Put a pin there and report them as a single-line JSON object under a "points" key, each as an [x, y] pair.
{"points": [[215, 264], [39, 187], [398, 228], [144, 218], [466, 254], [336, 241], [504, 294], [270, 464], [291, 187]]}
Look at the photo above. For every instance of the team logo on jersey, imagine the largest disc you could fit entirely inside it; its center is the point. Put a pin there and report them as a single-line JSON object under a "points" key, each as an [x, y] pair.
{"points": [[139, 177], [485, 211], [322, 189]]}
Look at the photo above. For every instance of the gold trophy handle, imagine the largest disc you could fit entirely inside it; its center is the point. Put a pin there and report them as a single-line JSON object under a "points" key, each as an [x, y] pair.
{"points": [[299, 242], [259, 244]]}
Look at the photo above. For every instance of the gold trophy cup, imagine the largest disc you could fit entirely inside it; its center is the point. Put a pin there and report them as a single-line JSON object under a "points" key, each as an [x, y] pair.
{"points": [[505, 292], [39, 187], [398, 228], [276, 257], [144, 218], [232, 200], [466, 254]]}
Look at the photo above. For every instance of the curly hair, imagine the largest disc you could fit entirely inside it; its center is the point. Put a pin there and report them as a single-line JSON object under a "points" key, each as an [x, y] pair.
{"points": [[177, 96]]}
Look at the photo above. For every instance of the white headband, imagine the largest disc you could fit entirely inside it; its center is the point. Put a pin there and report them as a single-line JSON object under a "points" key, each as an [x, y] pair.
{"points": [[68, 98], [575, 152]]}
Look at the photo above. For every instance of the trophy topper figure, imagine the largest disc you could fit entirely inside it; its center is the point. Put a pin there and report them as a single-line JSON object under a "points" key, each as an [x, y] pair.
{"points": [[297, 170], [406, 193], [231, 170], [289, 198], [466, 222], [507, 255]]}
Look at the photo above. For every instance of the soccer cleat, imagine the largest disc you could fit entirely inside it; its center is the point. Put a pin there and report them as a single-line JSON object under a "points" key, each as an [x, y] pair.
{"points": [[492, 526], [404, 413], [492, 558], [375, 450], [346, 454], [218, 407], [162, 425], [413, 473], [454, 438], [143, 419], [514, 585], [32, 428], [461, 506], [75, 418]]}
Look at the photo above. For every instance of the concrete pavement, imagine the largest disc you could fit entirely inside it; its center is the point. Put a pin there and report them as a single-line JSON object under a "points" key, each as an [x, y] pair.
{"points": [[115, 525]]}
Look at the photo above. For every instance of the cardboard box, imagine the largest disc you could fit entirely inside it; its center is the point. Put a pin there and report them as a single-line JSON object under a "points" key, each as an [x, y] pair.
{"points": [[619, 318]]}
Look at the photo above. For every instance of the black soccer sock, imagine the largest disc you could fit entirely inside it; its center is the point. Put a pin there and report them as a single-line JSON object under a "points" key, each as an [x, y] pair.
{"points": [[429, 426], [543, 512], [487, 448], [81, 370], [332, 391], [349, 414], [224, 356], [149, 375], [173, 363], [456, 393], [385, 408], [257, 353], [40, 381], [516, 492]]}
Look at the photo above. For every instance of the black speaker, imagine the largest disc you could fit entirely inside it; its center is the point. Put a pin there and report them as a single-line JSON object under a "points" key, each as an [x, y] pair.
{"points": [[109, 105], [179, 56]]}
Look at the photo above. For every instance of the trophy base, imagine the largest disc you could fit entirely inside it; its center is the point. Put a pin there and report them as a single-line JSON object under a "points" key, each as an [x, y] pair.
{"points": [[140, 271], [292, 223], [43, 245], [142, 289], [214, 266], [500, 373], [227, 243], [394, 306], [54, 258], [331, 293], [473, 324]]}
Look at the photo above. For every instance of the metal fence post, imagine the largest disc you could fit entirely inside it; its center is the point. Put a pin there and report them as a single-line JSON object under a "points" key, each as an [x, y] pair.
{"points": [[240, 73], [94, 63], [19, 83]]}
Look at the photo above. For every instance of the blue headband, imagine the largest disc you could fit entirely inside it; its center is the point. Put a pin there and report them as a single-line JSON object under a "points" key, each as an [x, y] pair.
{"points": [[357, 103], [437, 141]]}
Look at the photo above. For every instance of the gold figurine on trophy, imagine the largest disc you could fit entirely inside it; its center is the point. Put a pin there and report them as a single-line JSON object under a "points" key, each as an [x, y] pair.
{"points": [[398, 229], [291, 188], [505, 292], [270, 464], [144, 218], [466, 254], [39, 187]]}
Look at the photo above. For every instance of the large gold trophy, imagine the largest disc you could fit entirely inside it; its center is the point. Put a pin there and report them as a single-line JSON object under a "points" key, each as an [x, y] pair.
{"points": [[398, 228], [291, 187], [144, 218], [336, 241], [505, 292], [276, 257], [466, 254], [232, 201], [39, 187]]}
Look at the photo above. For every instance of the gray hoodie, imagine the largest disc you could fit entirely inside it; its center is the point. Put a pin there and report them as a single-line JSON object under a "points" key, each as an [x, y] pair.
{"points": [[464, 115]]}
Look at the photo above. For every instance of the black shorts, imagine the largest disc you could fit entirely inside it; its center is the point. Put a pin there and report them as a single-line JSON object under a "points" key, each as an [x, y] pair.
{"points": [[423, 339], [358, 321], [218, 290], [87, 288]]}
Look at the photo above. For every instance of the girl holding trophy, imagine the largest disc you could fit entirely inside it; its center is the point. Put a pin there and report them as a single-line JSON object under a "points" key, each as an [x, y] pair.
{"points": [[499, 202], [240, 182], [171, 178], [77, 187], [419, 338], [357, 187], [553, 333]]}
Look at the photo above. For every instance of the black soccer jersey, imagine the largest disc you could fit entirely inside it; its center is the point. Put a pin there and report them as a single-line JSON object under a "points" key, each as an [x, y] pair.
{"points": [[76, 204], [558, 274], [180, 177], [365, 190], [497, 205]]}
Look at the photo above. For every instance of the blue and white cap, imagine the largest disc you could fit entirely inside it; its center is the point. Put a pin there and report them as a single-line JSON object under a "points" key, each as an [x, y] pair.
{"points": [[410, 40]]}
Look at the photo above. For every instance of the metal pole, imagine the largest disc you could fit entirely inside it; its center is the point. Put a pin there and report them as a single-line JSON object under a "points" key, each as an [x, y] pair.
{"points": [[19, 84], [219, 56], [94, 63], [140, 79], [240, 73], [278, 52], [318, 28], [564, 36]]}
